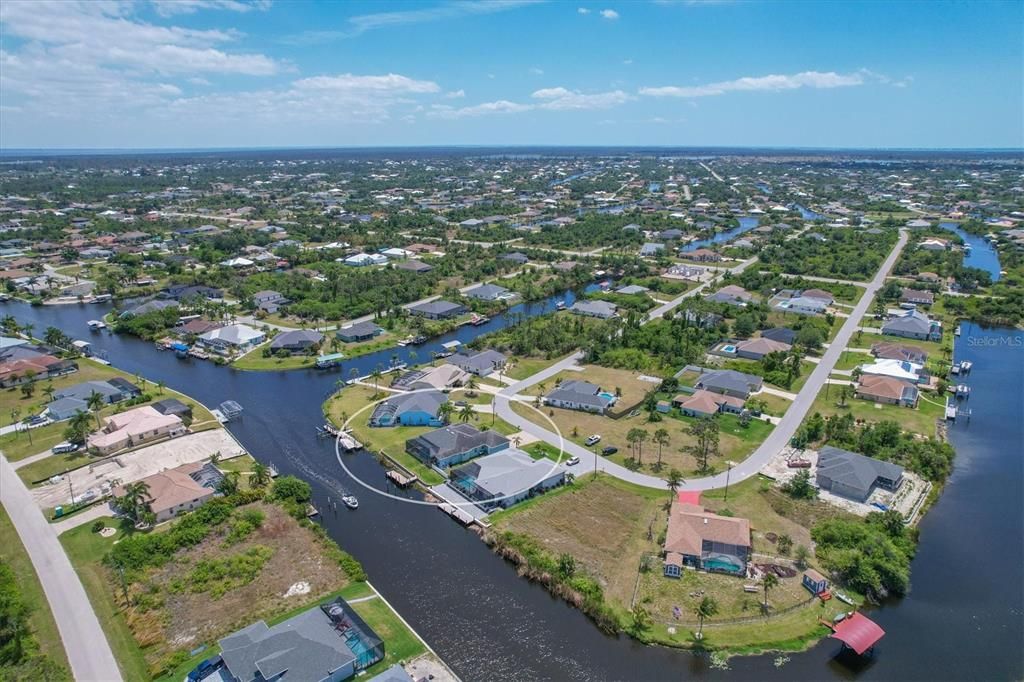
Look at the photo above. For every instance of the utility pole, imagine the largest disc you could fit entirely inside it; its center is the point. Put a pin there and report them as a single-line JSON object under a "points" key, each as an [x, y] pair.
{"points": [[71, 490], [730, 464]]}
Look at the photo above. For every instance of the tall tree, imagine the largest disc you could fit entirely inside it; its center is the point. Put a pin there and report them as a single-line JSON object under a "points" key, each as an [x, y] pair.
{"points": [[662, 439], [769, 582], [707, 608]]}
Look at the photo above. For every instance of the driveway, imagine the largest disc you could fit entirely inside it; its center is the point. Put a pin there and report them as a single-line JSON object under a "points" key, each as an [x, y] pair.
{"points": [[89, 653]]}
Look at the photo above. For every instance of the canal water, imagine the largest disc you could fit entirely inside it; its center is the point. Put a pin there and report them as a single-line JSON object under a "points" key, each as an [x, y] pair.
{"points": [[961, 620], [747, 223], [982, 255]]}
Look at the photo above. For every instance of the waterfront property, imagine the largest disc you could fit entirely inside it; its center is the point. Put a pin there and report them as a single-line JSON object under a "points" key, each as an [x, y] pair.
{"points": [[112, 390], [490, 292], [328, 643], [15, 372], [178, 490], [234, 338], [706, 541], [913, 324], [897, 369], [134, 427], [411, 409], [437, 310], [360, 331], [296, 341], [603, 310], [505, 478], [894, 351], [580, 395], [480, 363], [814, 581], [441, 378], [889, 390], [917, 297], [454, 444], [854, 476], [730, 382]]}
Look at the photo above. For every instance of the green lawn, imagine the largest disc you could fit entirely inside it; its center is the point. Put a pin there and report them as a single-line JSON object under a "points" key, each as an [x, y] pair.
{"points": [[775, 405], [53, 466], [866, 339], [850, 360], [254, 360], [86, 550], [526, 367], [44, 628], [400, 644], [919, 420]]}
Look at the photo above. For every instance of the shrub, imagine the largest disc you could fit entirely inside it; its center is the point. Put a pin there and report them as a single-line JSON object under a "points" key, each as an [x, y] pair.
{"points": [[97, 526]]}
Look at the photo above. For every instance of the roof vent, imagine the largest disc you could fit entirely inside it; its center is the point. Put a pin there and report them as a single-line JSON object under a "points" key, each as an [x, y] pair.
{"points": [[705, 521]]}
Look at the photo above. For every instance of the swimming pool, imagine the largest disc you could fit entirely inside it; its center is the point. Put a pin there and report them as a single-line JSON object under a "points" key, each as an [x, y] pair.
{"points": [[729, 348], [722, 564], [606, 394]]}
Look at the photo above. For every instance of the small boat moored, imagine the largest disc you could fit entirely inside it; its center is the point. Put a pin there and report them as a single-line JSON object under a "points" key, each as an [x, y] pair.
{"points": [[96, 325], [350, 501]]}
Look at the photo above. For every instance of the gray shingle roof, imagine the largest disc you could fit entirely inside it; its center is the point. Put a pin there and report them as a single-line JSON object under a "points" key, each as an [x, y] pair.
{"points": [[296, 338], [731, 380], [458, 438], [853, 469], [509, 472]]}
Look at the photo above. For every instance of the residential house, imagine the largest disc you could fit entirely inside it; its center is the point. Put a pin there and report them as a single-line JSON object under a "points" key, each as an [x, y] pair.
{"points": [[198, 326], [651, 250], [441, 378], [360, 331], [917, 297], [489, 292], [481, 363], [454, 444], [757, 348], [17, 371], [515, 257], [888, 390], [731, 294], [186, 292], [175, 407], [327, 643], [730, 382], [897, 369], [269, 301], [580, 395], [410, 409], [179, 490], [934, 244], [437, 310], [297, 341], [134, 427], [234, 338], [780, 334], [803, 305], [703, 403], [65, 408], [913, 324], [112, 390], [506, 478], [705, 541], [684, 272], [894, 351], [414, 265], [631, 289], [364, 259], [600, 309], [854, 476], [702, 256]]}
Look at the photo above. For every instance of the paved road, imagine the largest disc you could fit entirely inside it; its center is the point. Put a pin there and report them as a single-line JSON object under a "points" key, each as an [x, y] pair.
{"points": [[777, 439], [88, 652]]}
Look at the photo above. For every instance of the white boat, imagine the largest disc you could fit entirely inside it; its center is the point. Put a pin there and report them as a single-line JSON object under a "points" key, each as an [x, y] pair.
{"points": [[96, 325], [843, 598], [350, 501]]}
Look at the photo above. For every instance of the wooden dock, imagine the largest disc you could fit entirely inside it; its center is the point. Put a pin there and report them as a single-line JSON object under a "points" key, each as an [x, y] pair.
{"points": [[401, 480], [465, 518]]}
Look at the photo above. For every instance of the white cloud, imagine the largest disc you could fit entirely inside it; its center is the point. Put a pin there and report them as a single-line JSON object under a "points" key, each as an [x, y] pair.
{"points": [[347, 82], [609, 14], [546, 99], [627, 62], [455, 94], [770, 83], [167, 8], [536, 72], [583, 10]]}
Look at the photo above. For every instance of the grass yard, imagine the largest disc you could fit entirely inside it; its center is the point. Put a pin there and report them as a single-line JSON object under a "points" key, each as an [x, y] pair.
{"points": [[44, 628], [850, 360], [919, 420], [866, 339], [254, 360], [171, 612], [624, 383], [521, 368], [400, 643], [775, 405]]}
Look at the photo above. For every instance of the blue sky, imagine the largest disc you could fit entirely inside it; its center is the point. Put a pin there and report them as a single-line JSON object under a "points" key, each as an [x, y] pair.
{"points": [[229, 73]]}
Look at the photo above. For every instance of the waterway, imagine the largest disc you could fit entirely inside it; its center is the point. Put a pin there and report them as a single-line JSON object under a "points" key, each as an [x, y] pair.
{"points": [[747, 223], [961, 620], [982, 255], [808, 214]]}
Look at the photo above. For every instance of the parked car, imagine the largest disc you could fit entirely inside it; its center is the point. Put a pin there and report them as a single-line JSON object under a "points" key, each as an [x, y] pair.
{"points": [[64, 448], [592, 440], [610, 450], [572, 461]]}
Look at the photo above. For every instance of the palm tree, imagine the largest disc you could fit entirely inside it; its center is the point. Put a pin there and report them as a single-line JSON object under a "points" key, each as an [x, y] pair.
{"points": [[641, 438], [674, 480], [27, 330], [471, 383], [229, 484], [707, 608], [631, 437], [375, 375], [445, 411], [215, 458], [78, 427], [49, 390], [160, 385], [661, 437], [466, 413], [95, 403], [135, 500], [260, 475], [641, 618], [768, 582], [353, 374]]}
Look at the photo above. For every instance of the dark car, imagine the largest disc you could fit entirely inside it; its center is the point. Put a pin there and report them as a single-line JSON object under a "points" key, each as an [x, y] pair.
{"points": [[610, 450]]}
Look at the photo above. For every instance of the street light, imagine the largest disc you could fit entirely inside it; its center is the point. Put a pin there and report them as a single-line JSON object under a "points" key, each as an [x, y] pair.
{"points": [[730, 464]]}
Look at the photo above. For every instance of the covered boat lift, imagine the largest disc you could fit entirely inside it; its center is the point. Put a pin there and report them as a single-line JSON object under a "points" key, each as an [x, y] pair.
{"points": [[858, 632]]}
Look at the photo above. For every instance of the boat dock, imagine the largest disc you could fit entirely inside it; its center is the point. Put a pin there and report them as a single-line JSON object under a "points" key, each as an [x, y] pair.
{"points": [[463, 517], [345, 439], [399, 479]]}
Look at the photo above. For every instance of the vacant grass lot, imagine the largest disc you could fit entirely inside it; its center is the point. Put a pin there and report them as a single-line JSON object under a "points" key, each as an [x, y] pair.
{"points": [[850, 360], [522, 368], [735, 441], [919, 420], [866, 339], [254, 360], [44, 628]]}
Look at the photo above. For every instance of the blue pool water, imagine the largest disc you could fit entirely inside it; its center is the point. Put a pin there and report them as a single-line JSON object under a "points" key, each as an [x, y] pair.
{"points": [[606, 394], [729, 349]]}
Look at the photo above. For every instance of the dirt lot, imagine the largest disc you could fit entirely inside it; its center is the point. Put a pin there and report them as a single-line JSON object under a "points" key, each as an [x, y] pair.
{"points": [[602, 523], [185, 619], [144, 462]]}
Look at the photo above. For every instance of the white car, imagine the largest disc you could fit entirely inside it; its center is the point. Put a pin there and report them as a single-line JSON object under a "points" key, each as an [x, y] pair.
{"points": [[572, 461], [593, 440]]}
